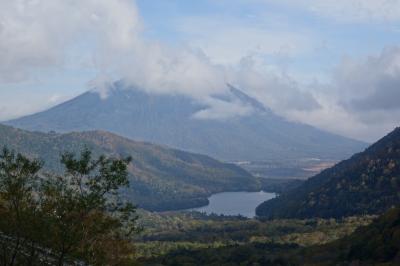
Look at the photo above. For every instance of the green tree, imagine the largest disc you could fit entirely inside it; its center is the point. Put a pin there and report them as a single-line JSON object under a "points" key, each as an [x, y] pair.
{"points": [[76, 216], [20, 223], [87, 217]]}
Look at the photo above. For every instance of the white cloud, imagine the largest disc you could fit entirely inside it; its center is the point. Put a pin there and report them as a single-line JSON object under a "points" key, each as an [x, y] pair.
{"points": [[38, 34], [223, 110], [162, 69]]}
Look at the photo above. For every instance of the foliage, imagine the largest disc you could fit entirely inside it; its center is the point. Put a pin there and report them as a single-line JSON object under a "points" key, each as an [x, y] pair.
{"points": [[77, 216], [19, 206]]}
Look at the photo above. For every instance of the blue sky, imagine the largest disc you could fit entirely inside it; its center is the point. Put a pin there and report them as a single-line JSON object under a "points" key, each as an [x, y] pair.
{"points": [[314, 62]]}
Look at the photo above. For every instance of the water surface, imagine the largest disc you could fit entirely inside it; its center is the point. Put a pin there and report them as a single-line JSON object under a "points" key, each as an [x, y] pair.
{"points": [[235, 203]]}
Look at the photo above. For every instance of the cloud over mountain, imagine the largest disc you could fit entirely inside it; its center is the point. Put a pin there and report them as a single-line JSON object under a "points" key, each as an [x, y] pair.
{"points": [[109, 41], [43, 34]]}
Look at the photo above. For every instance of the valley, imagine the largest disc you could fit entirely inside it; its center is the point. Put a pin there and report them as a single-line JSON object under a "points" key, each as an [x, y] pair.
{"points": [[363, 229]]}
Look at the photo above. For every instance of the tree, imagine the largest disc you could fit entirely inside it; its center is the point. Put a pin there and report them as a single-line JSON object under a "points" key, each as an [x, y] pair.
{"points": [[76, 216], [86, 214], [20, 226]]}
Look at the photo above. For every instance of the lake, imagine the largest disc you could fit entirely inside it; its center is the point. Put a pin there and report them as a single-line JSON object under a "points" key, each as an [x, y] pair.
{"points": [[235, 203]]}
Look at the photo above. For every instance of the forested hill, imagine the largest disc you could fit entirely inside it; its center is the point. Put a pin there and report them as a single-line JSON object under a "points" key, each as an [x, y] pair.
{"points": [[367, 183], [161, 178]]}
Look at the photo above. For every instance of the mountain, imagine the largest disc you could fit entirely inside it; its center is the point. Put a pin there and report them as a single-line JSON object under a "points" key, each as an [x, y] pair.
{"points": [[170, 120], [367, 183], [161, 178]]}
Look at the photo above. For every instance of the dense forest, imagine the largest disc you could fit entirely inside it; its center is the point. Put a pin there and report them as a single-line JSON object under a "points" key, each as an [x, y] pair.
{"points": [[367, 183]]}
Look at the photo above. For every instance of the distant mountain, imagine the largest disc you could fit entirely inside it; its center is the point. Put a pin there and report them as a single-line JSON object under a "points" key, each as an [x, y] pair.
{"points": [[367, 183], [169, 120], [161, 178]]}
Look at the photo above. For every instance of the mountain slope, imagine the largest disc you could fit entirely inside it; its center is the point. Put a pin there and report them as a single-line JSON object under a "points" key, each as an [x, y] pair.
{"points": [[368, 182], [161, 178], [169, 120]]}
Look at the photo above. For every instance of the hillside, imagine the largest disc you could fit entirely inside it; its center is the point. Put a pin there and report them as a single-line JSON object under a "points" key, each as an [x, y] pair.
{"points": [[170, 120], [161, 178], [367, 183]]}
